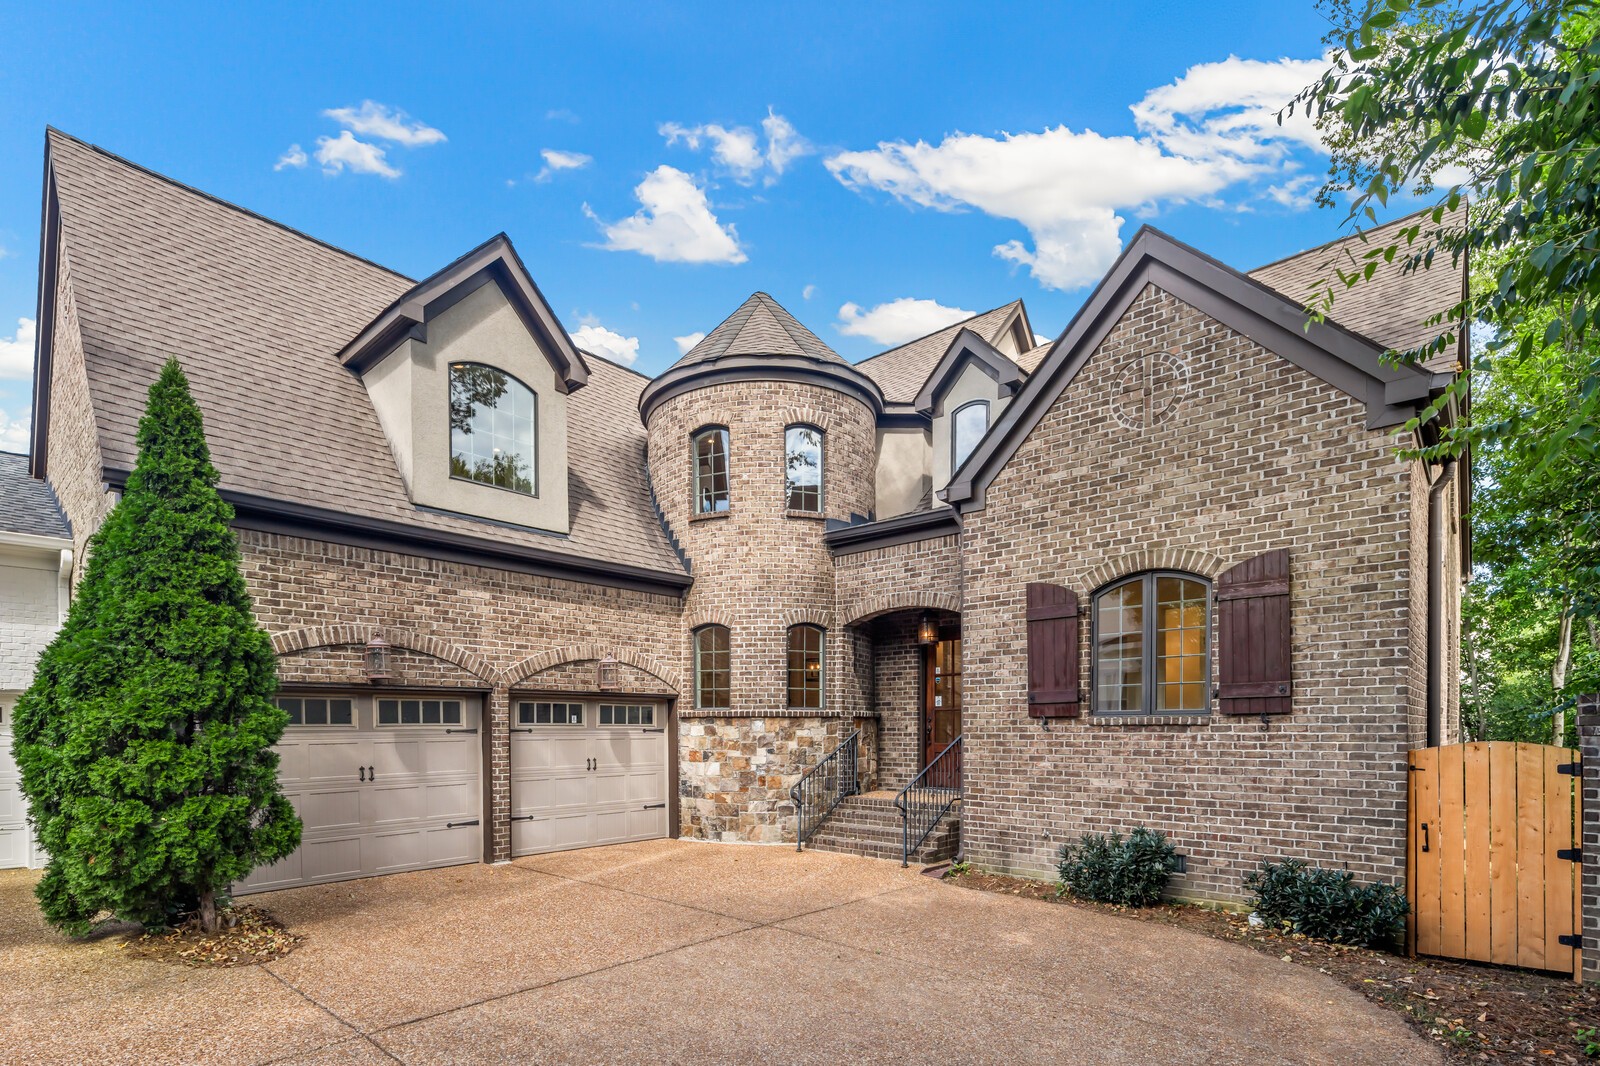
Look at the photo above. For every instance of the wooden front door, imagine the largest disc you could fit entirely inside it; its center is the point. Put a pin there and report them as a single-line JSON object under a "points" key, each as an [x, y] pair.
{"points": [[1494, 854], [941, 713]]}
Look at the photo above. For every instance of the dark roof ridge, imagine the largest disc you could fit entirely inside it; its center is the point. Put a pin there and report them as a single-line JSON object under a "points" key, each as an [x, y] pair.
{"points": [[219, 200], [941, 329]]}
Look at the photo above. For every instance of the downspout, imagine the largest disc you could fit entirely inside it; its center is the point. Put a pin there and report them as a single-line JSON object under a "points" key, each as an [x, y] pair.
{"points": [[1436, 528], [64, 585]]}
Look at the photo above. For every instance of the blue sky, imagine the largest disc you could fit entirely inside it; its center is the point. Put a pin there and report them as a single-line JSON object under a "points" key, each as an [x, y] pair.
{"points": [[878, 169]]}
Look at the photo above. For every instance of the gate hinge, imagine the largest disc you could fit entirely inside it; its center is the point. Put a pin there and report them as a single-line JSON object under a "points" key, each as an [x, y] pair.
{"points": [[1574, 854], [654, 806], [1570, 940], [1575, 769]]}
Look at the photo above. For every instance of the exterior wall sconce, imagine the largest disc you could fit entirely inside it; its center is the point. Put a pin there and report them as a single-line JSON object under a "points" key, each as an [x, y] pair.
{"points": [[605, 674], [380, 662], [927, 630]]}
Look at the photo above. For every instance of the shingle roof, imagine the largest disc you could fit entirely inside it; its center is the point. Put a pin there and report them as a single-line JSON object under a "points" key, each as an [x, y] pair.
{"points": [[1391, 308], [900, 372], [27, 505], [256, 313], [760, 326]]}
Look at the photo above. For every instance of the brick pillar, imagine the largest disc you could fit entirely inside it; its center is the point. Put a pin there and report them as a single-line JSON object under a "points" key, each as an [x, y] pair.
{"points": [[1589, 744], [497, 812]]}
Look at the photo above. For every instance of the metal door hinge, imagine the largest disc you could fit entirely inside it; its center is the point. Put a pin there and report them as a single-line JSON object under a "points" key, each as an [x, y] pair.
{"points": [[654, 806], [522, 729], [660, 729], [1575, 854], [523, 817], [460, 730], [1574, 769], [1570, 940], [458, 825]]}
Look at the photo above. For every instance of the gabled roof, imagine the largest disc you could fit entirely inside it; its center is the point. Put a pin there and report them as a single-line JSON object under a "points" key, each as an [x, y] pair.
{"points": [[760, 326], [1349, 362], [760, 341], [27, 505], [901, 372], [968, 347], [1391, 308], [258, 315], [495, 260]]}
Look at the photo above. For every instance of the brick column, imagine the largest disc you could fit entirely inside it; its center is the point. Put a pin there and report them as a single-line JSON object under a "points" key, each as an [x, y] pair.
{"points": [[497, 812], [1589, 744]]}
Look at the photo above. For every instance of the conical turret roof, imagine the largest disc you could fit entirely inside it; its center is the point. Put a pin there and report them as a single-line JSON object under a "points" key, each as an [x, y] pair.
{"points": [[760, 327]]}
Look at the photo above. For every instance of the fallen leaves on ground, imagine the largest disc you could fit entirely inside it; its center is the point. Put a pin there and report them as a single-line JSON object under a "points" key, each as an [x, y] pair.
{"points": [[1478, 1013], [249, 936]]}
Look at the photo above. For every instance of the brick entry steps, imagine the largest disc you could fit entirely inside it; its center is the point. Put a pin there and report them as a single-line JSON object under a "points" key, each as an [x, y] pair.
{"points": [[869, 825]]}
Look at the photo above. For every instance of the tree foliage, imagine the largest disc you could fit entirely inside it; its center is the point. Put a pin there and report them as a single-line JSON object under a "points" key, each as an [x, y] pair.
{"points": [[145, 743]]}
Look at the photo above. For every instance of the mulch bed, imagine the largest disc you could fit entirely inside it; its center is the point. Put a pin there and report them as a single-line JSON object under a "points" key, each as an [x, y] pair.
{"points": [[249, 936], [1478, 1013]]}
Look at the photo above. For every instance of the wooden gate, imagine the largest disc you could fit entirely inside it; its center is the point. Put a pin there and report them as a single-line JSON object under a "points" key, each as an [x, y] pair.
{"points": [[1493, 854]]}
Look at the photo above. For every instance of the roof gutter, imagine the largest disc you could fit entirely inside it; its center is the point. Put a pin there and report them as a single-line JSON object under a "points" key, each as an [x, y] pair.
{"points": [[901, 529]]}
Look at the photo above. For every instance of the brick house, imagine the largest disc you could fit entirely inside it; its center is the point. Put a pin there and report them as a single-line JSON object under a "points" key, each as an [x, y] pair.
{"points": [[526, 599]]}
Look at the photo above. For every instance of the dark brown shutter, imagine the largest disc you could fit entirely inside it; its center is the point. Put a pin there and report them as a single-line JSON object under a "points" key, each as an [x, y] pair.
{"points": [[1052, 651], [1253, 636]]}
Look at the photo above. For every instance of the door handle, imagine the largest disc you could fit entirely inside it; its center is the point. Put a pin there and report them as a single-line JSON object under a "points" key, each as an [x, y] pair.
{"points": [[372, 775], [1424, 836], [363, 771]]}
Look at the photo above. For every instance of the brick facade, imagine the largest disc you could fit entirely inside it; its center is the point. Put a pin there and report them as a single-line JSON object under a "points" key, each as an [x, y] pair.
{"points": [[1589, 745], [1259, 455]]}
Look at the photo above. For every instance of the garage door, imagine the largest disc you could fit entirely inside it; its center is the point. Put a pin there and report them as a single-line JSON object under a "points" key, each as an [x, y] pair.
{"points": [[15, 843], [586, 773], [382, 784]]}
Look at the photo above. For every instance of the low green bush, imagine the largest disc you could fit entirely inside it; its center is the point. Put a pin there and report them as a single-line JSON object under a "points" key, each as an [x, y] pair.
{"points": [[1108, 869], [1328, 904]]}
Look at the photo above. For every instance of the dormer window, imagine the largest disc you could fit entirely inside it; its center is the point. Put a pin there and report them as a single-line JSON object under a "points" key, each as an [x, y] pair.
{"points": [[711, 471], [802, 469], [493, 427], [968, 425]]}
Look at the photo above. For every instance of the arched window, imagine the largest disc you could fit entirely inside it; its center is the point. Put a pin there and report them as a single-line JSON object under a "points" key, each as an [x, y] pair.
{"points": [[1152, 645], [711, 668], [967, 427], [711, 470], [802, 468], [493, 428], [805, 666]]}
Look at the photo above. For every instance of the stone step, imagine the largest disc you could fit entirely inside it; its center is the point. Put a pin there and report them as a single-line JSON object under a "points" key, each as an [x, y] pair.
{"points": [[870, 825]]}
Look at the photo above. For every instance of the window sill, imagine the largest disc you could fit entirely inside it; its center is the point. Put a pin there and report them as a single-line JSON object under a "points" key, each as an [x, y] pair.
{"points": [[815, 516], [710, 516], [1174, 720]]}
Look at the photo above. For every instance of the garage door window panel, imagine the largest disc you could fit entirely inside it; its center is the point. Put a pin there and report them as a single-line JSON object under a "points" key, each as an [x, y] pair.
{"points": [[627, 714], [547, 713], [403, 712], [317, 711]]}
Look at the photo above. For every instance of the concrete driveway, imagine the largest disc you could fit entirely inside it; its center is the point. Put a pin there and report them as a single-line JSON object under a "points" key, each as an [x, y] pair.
{"points": [[672, 952]]}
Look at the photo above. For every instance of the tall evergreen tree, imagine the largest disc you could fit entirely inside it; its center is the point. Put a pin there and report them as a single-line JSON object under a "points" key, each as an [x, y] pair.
{"points": [[145, 741]]}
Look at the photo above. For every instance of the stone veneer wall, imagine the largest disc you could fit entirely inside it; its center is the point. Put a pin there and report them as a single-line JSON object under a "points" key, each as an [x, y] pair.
{"points": [[736, 774], [456, 626], [1259, 455], [1589, 746]]}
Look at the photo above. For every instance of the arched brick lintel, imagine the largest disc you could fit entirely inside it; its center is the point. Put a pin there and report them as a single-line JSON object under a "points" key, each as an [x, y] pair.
{"points": [[905, 600], [1189, 560], [545, 660], [299, 640]]}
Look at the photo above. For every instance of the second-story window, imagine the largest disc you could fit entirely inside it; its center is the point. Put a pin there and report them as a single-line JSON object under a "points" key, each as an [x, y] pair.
{"points": [[493, 422], [802, 468], [710, 471], [967, 427]]}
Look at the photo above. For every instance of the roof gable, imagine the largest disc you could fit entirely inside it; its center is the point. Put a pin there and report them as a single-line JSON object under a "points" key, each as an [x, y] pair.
{"points": [[968, 347], [1347, 361], [496, 261], [901, 371]]}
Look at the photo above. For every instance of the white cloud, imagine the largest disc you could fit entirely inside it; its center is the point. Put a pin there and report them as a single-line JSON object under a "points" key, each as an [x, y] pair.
{"points": [[557, 160], [738, 152], [14, 433], [808, 292], [386, 123], [593, 337], [674, 223], [16, 352], [293, 156], [898, 321], [1212, 129], [687, 341], [1038, 340], [337, 153]]}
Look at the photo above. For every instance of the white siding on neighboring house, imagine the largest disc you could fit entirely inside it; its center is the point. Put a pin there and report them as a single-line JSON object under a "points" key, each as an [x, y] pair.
{"points": [[34, 573]]}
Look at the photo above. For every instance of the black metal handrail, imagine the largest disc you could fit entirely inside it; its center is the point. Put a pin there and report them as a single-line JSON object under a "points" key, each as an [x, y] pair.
{"points": [[820, 788], [928, 799]]}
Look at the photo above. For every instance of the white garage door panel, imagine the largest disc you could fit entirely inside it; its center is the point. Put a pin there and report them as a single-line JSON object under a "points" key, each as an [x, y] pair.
{"points": [[378, 799], [577, 786], [15, 840]]}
